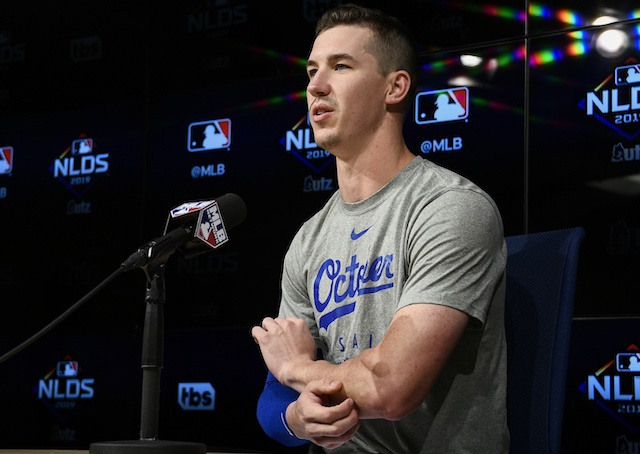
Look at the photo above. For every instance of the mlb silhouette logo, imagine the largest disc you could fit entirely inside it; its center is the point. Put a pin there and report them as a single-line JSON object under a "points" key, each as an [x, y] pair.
{"points": [[6, 160], [209, 135], [627, 75], [628, 362], [67, 369], [438, 106], [82, 146]]}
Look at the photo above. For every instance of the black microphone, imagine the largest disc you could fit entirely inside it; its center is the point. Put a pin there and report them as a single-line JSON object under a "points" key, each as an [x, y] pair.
{"points": [[193, 228]]}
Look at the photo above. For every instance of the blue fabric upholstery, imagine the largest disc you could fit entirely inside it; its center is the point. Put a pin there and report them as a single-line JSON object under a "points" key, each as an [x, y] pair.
{"points": [[541, 280]]}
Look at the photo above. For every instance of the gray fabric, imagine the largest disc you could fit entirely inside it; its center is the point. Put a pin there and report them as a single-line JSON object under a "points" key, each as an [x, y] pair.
{"points": [[428, 236]]}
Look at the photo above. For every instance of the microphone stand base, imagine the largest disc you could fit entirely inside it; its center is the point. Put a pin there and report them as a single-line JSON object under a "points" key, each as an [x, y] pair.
{"points": [[147, 447]]}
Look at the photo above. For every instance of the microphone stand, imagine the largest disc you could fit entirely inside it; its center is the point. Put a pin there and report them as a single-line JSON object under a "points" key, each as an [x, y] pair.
{"points": [[152, 259]]}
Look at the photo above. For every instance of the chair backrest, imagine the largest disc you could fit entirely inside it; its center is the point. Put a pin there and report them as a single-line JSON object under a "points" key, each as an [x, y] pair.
{"points": [[541, 280]]}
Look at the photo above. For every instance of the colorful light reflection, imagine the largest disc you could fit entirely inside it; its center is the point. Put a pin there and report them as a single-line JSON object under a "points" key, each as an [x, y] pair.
{"points": [[491, 10], [547, 56], [272, 54], [273, 100], [564, 15], [579, 47]]}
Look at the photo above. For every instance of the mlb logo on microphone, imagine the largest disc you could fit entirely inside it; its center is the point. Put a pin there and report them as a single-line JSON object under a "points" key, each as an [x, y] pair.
{"points": [[209, 135], [439, 106], [6, 160], [189, 207], [211, 228]]}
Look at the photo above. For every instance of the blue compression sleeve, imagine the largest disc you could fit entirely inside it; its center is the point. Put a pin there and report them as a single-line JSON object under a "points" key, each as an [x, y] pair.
{"points": [[272, 405]]}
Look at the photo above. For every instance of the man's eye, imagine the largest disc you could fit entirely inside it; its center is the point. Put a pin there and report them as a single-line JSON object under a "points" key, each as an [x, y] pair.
{"points": [[340, 66], [311, 72]]}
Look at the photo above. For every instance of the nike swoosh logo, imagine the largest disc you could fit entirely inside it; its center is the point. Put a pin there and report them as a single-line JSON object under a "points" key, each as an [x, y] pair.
{"points": [[355, 235]]}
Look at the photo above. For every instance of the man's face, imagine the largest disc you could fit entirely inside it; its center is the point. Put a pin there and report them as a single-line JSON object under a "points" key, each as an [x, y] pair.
{"points": [[345, 94]]}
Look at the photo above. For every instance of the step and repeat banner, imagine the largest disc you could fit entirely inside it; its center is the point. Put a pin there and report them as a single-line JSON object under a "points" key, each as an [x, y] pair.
{"points": [[114, 113]]}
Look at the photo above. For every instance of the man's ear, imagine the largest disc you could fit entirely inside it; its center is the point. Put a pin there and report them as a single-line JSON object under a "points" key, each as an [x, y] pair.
{"points": [[399, 86]]}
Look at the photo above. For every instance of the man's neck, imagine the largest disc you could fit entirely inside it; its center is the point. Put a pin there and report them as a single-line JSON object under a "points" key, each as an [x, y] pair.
{"points": [[365, 174]]}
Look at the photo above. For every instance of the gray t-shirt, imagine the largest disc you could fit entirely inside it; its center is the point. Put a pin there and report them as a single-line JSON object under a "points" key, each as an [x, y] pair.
{"points": [[428, 236]]}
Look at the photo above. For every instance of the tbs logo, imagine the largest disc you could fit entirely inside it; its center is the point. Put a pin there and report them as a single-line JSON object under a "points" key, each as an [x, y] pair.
{"points": [[439, 106], [86, 49], [209, 135], [196, 396]]}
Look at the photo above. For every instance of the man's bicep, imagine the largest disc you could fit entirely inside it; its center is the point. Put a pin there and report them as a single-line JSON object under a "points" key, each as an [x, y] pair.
{"points": [[412, 354]]}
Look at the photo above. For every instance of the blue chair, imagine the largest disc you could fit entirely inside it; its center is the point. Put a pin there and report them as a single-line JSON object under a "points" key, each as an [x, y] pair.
{"points": [[541, 280]]}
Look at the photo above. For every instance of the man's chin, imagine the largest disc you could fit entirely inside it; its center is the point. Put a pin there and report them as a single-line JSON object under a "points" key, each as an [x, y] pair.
{"points": [[327, 142]]}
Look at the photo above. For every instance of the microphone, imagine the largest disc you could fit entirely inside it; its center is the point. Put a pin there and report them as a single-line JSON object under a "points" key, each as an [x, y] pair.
{"points": [[193, 228]]}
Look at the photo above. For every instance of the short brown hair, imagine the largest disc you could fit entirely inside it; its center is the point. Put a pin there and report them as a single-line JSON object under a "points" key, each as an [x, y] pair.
{"points": [[392, 44]]}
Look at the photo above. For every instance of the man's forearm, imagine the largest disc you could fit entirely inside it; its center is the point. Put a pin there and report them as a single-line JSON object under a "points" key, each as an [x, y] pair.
{"points": [[359, 382]]}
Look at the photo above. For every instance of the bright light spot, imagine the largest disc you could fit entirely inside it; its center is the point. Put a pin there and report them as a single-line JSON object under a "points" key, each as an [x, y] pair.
{"points": [[470, 61]]}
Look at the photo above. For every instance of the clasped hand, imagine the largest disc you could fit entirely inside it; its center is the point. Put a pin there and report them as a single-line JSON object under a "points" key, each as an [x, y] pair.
{"points": [[322, 413], [285, 343]]}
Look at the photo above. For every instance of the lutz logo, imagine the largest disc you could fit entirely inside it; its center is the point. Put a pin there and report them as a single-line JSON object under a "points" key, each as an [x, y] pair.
{"points": [[616, 101], [79, 165], [622, 154], [615, 388], [62, 389], [626, 446], [196, 396], [209, 135], [316, 185], [6, 160], [439, 106], [300, 142]]}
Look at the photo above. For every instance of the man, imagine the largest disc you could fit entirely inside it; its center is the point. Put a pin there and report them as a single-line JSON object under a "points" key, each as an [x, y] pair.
{"points": [[398, 280]]}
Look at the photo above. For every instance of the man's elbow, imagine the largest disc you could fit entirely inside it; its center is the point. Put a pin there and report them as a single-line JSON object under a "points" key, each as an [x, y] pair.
{"points": [[393, 405]]}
